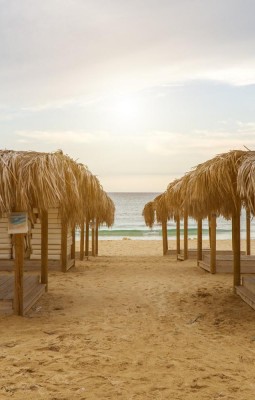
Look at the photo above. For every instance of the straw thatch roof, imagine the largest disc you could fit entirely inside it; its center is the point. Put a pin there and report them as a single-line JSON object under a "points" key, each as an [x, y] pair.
{"points": [[149, 214], [210, 188], [106, 210], [31, 179], [246, 180]]}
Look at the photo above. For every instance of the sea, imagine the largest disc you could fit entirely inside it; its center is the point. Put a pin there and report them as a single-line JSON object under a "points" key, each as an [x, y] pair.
{"points": [[129, 222]]}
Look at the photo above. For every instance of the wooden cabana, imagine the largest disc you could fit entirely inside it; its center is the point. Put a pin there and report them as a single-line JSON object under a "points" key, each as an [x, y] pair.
{"points": [[29, 182], [212, 191]]}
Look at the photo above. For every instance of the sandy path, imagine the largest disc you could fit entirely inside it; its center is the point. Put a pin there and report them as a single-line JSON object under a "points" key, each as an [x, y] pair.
{"points": [[131, 327]]}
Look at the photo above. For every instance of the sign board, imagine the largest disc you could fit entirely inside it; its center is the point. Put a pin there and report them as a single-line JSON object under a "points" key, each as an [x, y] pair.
{"points": [[17, 222]]}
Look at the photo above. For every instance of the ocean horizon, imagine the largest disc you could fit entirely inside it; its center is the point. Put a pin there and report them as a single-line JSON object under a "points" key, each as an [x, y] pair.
{"points": [[129, 222]]}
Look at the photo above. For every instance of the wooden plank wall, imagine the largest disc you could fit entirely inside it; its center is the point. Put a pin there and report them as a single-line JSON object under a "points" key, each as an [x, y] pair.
{"points": [[54, 241], [54, 237], [5, 240]]}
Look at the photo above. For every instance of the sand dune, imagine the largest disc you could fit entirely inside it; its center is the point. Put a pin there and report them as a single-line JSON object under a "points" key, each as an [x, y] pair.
{"points": [[131, 324]]}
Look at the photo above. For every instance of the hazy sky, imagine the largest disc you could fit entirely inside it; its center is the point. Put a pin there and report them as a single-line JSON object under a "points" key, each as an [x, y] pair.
{"points": [[139, 90]]}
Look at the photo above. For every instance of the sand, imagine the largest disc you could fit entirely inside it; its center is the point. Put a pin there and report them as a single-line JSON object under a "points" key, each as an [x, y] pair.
{"points": [[131, 324]]}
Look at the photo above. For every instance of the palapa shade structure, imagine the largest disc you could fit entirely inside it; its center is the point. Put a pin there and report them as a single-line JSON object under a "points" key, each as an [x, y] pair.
{"points": [[175, 195], [97, 209], [158, 210], [212, 190], [30, 180]]}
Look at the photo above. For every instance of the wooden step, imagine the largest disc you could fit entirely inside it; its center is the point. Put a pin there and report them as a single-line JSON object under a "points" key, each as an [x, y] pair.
{"points": [[249, 283], [33, 296], [204, 265], [246, 295]]}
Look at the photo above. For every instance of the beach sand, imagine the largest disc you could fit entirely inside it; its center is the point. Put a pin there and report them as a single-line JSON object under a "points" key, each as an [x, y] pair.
{"points": [[134, 325]]}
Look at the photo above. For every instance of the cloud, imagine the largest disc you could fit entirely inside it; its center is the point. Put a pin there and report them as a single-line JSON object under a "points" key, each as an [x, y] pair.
{"points": [[48, 53], [205, 143], [65, 137]]}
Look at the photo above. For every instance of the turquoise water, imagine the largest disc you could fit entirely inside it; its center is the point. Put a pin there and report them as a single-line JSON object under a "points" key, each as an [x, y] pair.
{"points": [[129, 222]]}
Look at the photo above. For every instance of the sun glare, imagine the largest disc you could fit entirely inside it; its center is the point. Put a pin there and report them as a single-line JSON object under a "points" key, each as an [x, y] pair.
{"points": [[125, 108]]}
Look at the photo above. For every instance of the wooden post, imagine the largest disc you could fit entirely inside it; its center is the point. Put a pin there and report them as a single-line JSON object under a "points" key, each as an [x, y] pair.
{"points": [[73, 244], [97, 236], [64, 246], [213, 244], [82, 241], [178, 236], [185, 252], [199, 240], [164, 237], [209, 226], [93, 238], [248, 232], [87, 238], [19, 264], [44, 248], [236, 247]]}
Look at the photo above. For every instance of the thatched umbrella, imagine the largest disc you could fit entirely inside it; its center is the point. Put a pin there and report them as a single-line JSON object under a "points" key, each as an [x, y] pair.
{"points": [[158, 210], [175, 196], [149, 214]]}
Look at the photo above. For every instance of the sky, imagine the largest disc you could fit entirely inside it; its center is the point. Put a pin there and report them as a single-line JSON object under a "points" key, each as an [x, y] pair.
{"points": [[141, 91]]}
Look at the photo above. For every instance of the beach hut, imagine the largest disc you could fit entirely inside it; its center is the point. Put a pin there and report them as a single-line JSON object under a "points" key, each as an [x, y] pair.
{"points": [[33, 186], [212, 191]]}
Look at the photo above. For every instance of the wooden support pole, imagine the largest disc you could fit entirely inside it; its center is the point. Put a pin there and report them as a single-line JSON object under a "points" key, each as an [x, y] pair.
{"points": [[164, 237], [178, 236], [248, 232], [93, 238], [199, 240], [44, 249], [236, 247], [213, 244], [82, 241], [87, 238], [209, 225], [19, 265], [185, 251], [64, 246], [73, 244], [97, 226]]}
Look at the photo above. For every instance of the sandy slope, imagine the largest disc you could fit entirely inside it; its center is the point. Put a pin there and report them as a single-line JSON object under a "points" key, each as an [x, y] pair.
{"points": [[131, 324]]}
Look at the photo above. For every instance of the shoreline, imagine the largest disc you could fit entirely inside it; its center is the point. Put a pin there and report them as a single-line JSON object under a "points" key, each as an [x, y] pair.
{"points": [[131, 247]]}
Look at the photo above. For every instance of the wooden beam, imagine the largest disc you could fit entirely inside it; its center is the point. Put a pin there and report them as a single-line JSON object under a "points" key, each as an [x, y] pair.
{"points": [[185, 251], [73, 244], [248, 232], [19, 265], [209, 226], [64, 246], [82, 241], [44, 248], [97, 227], [199, 240], [87, 238], [164, 237], [93, 238], [236, 247], [213, 244], [178, 236]]}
